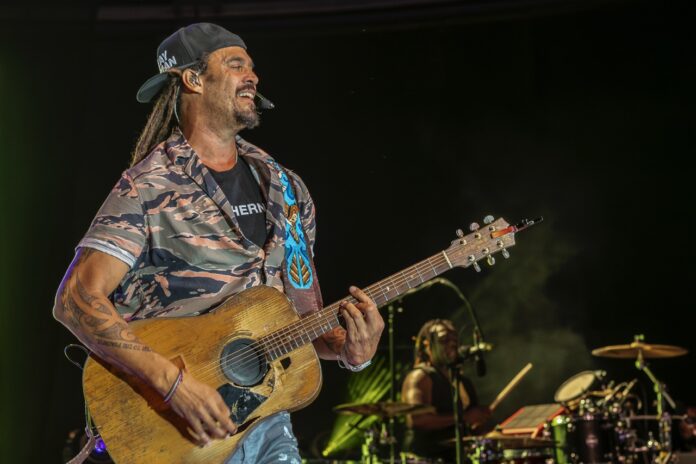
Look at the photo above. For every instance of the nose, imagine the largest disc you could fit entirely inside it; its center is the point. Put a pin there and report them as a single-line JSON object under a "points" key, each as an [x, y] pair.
{"points": [[250, 77]]}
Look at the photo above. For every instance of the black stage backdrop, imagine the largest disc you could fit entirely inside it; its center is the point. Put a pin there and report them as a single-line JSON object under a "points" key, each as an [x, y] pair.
{"points": [[404, 131]]}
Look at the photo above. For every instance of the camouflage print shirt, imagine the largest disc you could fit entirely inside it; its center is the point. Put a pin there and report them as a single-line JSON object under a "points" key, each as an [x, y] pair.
{"points": [[170, 222]]}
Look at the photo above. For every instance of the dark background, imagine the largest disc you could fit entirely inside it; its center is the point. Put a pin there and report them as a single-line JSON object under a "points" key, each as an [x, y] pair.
{"points": [[406, 123]]}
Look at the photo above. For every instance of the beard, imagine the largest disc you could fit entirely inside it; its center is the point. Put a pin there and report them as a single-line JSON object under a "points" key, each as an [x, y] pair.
{"points": [[248, 119], [225, 113]]}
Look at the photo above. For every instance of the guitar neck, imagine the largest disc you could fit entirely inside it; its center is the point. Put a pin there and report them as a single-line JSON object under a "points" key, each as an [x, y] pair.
{"points": [[313, 326]]}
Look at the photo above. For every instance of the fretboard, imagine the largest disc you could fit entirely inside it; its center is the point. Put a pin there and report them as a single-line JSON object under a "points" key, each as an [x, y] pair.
{"points": [[307, 329]]}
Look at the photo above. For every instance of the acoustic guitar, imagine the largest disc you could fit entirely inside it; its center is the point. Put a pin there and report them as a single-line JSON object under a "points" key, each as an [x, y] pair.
{"points": [[255, 350]]}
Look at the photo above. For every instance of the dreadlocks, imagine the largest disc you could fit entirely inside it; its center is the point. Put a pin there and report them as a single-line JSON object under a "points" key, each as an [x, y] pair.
{"points": [[163, 117], [427, 336]]}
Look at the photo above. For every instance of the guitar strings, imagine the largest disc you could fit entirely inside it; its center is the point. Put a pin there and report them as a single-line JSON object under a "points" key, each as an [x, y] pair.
{"points": [[278, 340], [273, 338]]}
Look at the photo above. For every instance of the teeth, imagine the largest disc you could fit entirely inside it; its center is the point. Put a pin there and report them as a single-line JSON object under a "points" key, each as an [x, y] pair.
{"points": [[246, 94]]}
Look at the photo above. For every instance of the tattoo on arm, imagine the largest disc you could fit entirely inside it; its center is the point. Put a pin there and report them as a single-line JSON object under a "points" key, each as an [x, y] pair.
{"points": [[96, 316], [335, 339]]}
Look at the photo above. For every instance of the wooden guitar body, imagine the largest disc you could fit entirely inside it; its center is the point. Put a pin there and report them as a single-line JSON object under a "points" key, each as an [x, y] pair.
{"points": [[255, 350], [138, 427]]}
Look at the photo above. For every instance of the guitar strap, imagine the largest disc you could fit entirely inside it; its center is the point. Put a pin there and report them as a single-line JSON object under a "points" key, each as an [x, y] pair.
{"points": [[299, 274]]}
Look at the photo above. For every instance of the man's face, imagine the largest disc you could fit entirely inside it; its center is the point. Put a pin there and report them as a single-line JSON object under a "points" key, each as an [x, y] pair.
{"points": [[230, 88], [445, 344]]}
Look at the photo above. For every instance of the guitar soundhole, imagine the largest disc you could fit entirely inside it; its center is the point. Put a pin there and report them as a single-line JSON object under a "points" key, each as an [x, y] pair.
{"points": [[243, 362]]}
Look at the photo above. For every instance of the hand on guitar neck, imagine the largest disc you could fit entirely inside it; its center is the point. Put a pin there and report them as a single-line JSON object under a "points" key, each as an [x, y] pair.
{"points": [[83, 306]]}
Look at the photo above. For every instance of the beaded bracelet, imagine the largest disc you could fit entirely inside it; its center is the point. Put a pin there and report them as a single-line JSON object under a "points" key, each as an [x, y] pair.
{"points": [[175, 385]]}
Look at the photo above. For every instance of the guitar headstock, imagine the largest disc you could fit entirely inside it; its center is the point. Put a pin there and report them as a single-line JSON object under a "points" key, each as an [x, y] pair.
{"points": [[482, 243]]}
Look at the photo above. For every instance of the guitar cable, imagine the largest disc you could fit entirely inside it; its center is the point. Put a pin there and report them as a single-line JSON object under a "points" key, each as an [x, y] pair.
{"points": [[79, 347], [91, 431]]}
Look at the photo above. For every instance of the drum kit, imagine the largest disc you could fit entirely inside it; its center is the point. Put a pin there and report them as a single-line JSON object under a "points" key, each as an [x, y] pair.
{"points": [[593, 422]]}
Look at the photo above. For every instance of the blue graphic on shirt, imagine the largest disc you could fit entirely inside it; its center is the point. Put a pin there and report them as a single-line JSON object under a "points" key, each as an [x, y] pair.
{"points": [[298, 267]]}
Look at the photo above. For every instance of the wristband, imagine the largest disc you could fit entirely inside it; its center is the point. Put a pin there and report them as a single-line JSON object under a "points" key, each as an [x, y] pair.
{"points": [[343, 363]]}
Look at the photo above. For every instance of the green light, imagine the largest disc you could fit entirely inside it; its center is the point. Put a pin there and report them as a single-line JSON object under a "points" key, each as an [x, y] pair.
{"points": [[368, 386]]}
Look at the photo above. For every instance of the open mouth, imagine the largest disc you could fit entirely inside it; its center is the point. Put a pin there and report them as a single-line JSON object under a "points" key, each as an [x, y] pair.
{"points": [[246, 95]]}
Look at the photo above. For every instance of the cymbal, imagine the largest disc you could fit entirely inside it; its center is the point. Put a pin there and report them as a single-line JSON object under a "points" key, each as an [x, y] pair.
{"points": [[632, 350], [506, 441], [384, 409]]}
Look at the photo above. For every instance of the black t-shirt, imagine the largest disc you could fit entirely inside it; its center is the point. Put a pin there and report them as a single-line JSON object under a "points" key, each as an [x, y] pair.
{"points": [[244, 194]]}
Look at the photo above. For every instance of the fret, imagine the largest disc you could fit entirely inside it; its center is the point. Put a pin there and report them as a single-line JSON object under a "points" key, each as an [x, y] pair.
{"points": [[313, 326], [383, 295], [272, 352], [444, 253], [420, 275], [406, 278]]}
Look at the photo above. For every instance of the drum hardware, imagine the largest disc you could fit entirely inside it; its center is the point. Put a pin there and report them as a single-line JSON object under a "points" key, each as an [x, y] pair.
{"points": [[498, 448], [382, 435], [639, 350], [384, 409]]}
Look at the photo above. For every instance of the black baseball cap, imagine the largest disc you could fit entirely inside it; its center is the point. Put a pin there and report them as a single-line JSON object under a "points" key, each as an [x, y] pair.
{"points": [[183, 49]]}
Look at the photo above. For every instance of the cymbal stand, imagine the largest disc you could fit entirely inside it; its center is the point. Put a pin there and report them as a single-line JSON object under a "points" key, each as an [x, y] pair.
{"points": [[664, 418], [368, 455]]}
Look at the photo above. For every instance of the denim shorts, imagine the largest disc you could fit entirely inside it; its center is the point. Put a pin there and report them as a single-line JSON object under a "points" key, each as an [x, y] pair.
{"points": [[272, 441]]}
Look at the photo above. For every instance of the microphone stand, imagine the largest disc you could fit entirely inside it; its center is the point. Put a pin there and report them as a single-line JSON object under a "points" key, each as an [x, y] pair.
{"points": [[477, 333], [392, 372], [454, 377], [454, 371], [478, 340]]}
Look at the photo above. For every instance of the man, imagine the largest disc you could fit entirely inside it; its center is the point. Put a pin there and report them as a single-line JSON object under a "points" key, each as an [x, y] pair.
{"points": [[430, 382], [201, 215]]}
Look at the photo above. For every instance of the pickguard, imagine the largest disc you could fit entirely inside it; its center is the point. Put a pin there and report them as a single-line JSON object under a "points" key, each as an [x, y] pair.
{"points": [[241, 401]]}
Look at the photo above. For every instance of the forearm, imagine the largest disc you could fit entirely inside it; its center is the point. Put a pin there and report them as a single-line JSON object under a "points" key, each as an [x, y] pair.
{"points": [[432, 421], [330, 344], [94, 320]]}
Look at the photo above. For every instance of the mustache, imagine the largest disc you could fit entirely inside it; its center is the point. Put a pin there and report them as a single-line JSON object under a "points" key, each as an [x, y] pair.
{"points": [[250, 87]]}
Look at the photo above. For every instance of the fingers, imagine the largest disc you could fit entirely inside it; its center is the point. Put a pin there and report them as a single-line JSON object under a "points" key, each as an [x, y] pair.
{"points": [[222, 416], [197, 428], [354, 316], [205, 411], [368, 307], [364, 325]]}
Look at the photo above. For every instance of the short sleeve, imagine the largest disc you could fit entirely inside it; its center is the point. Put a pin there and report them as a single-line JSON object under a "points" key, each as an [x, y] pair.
{"points": [[119, 227]]}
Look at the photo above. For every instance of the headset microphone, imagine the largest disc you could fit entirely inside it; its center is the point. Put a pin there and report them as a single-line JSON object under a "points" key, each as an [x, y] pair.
{"points": [[264, 103]]}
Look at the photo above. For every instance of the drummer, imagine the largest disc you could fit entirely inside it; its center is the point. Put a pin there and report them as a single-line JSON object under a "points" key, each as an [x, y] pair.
{"points": [[430, 383]]}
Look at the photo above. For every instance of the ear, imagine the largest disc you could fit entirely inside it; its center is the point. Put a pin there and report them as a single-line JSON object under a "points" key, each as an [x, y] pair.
{"points": [[191, 80]]}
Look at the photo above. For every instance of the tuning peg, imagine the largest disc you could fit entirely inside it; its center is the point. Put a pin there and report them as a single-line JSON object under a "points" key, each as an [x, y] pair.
{"points": [[474, 226], [460, 233], [488, 219], [505, 253], [490, 260], [477, 268]]}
